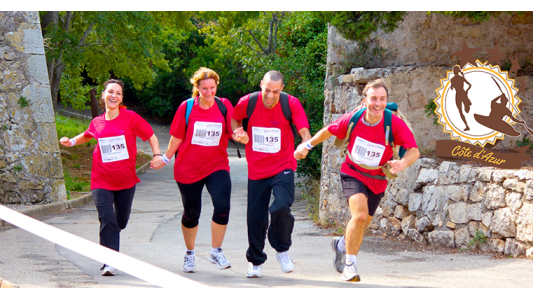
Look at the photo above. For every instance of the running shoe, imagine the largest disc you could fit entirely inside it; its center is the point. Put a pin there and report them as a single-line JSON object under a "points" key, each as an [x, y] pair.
{"points": [[287, 265], [219, 259], [339, 259], [350, 273], [107, 271], [253, 271], [189, 266]]}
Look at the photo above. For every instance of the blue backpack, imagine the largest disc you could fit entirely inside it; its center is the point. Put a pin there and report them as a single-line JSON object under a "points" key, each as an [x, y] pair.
{"points": [[398, 151]]}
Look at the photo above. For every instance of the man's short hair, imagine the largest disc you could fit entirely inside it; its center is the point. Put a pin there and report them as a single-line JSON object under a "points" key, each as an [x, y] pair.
{"points": [[274, 76], [374, 84]]}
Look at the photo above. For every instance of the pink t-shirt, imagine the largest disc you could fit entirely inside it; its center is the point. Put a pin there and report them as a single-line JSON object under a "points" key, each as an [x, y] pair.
{"points": [[264, 161], [374, 134], [199, 154], [118, 172]]}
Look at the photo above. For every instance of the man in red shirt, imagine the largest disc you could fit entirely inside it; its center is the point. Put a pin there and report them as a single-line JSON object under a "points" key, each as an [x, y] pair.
{"points": [[364, 188], [271, 167]]}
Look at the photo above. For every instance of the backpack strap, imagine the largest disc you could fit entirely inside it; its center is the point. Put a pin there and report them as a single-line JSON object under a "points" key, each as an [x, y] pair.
{"points": [[388, 140], [223, 109], [190, 103], [252, 101], [343, 144], [286, 109]]}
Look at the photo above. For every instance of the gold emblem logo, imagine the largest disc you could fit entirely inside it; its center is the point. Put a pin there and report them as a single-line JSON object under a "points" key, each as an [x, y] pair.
{"points": [[478, 104]]}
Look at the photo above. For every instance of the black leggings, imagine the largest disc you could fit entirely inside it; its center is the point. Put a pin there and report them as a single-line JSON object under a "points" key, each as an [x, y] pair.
{"points": [[219, 187], [114, 208]]}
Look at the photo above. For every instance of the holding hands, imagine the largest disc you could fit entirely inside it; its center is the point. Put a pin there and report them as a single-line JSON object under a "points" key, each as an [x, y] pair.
{"points": [[301, 151], [158, 161], [240, 136]]}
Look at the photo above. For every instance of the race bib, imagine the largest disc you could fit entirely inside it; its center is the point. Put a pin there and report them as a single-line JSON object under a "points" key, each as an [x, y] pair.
{"points": [[368, 153], [267, 140], [113, 148], [206, 133]]}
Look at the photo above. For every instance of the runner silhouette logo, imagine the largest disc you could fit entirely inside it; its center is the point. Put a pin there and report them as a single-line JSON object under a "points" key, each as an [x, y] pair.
{"points": [[477, 104]]}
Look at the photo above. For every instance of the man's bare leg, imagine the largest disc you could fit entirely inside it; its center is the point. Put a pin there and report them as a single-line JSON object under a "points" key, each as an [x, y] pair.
{"points": [[355, 231]]}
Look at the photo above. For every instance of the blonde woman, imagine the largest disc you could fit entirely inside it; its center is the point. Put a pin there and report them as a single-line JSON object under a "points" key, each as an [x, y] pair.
{"points": [[200, 137]]}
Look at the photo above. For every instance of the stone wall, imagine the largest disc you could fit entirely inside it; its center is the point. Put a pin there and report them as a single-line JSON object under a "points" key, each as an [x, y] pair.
{"points": [[444, 204], [30, 164], [429, 40], [421, 48]]}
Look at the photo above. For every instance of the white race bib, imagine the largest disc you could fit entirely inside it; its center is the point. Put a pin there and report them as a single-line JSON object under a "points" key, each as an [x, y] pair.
{"points": [[368, 153], [206, 133], [113, 148], [267, 140]]}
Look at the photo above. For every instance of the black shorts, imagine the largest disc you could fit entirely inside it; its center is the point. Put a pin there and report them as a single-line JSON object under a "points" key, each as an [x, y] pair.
{"points": [[352, 186]]}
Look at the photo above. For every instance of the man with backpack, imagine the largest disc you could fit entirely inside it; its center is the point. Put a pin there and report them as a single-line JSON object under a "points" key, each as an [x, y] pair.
{"points": [[271, 165], [372, 133]]}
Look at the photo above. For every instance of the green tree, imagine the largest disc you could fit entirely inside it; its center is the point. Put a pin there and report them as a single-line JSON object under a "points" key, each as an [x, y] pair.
{"points": [[297, 47], [186, 51], [100, 45]]}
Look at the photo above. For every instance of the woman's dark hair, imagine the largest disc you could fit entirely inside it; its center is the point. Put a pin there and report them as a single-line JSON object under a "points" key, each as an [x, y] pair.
{"points": [[101, 102]]}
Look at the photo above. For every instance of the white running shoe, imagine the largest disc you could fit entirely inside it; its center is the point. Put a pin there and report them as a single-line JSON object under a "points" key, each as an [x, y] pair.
{"points": [[108, 271], [219, 259], [350, 273], [254, 271], [287, 265], [189, 265]]}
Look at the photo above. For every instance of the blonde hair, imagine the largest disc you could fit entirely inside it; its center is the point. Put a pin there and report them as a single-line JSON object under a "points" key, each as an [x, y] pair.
{"points": [[199, 75]]}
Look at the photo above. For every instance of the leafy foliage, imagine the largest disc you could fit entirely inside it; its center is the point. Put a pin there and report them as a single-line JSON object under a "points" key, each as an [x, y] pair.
{"points": [[104, 44], [429, 109], [156, 53], [23, 102], [359, 25], [475, 16], [478, 239], [186, 51]]}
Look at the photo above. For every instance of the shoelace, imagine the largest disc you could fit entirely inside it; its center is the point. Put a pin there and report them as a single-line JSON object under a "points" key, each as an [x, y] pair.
{"points": [[351, 268], [219, 256], [189, 259]]}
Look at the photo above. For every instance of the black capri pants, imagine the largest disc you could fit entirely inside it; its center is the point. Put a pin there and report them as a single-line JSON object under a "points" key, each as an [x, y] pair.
{"points": [[218, 185]]}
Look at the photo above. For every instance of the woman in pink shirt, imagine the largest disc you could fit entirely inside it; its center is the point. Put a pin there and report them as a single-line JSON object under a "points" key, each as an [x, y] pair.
{"points": [[200, 139], [113, 175]]}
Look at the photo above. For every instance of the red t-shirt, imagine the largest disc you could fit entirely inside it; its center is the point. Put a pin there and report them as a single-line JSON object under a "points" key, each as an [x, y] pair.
{"points": [[374, 134], [198, 157], [264, 159], [117, 173]]}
